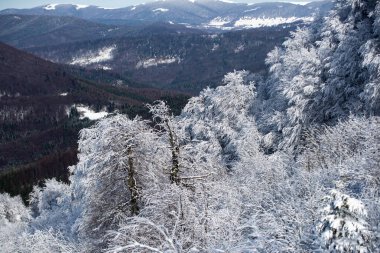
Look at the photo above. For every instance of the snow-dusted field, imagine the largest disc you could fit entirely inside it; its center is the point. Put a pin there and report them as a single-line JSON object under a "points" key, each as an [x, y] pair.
{"points": [[154, 62], [87, 112], [249, 22], [102, 55]]}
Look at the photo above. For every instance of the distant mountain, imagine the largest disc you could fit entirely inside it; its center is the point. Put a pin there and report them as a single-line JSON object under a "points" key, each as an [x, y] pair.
{"points": [[31, 31], [160, 54], [207, 14], [185, 61], [25, 31]]}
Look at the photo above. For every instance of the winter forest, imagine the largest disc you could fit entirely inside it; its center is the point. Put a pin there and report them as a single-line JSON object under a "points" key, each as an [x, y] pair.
{"points": [[289, 162]]}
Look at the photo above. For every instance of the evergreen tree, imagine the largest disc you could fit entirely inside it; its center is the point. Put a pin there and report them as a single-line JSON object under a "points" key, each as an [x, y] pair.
{"points": [[343, 227]]}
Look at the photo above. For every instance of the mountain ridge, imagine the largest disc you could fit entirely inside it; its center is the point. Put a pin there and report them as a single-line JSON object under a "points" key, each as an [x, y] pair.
{"points": [[199, 14]]}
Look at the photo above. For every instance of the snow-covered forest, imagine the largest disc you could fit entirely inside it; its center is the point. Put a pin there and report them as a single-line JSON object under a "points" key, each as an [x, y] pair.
{"points": [[284, 163]]}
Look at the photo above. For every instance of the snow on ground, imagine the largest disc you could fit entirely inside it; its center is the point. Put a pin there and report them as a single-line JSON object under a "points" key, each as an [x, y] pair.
{"points": [[50, 7], [63, 94], [6, 94], [251, 22], [154, 62], [160, 10], [81, 6], [87, 112], [215, 47], [106, 8], [299, 3], [238, 49], [219, 21], [227, 1], [106, 68], [254, 9], [102, 55]]}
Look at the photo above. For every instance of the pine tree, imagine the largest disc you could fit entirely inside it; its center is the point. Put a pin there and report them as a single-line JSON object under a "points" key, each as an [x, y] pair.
{"points": [[343, 227]]}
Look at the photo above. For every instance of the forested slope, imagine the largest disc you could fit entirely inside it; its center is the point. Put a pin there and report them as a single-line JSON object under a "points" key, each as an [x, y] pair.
{"points": [[39, 122], [286, 164]]}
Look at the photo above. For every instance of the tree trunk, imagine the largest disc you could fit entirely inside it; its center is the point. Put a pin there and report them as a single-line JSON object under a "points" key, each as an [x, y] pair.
{"points": [[174, 177], [132, 186]]}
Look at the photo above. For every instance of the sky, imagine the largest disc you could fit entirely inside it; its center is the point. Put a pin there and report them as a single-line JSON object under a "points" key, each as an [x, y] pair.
{"points": [[4, 4]]}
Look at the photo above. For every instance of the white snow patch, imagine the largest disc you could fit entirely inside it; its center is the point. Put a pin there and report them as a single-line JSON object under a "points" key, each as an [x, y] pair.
{"points": [[251, 22], [215, 47], [50, 7], [154, 62], [119, 83], [106, 8], [133, 8], [254, 9], [81, 6], [3, 94], [87, 112], [299, 3], [219, 21], [6, 94], [239, 49], [64, 94], [193, 1], [16, 17], [227, 1], [102, 55], [160, 10]]}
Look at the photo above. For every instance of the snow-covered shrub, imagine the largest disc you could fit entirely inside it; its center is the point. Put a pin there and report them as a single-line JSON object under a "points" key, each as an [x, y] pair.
{"points": [[12, 210]]}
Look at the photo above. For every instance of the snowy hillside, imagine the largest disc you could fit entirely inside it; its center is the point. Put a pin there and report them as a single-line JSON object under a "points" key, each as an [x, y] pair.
{"points": [[200, 14]]}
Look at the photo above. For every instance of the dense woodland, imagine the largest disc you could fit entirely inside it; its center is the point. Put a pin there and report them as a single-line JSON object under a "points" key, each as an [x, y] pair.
{"points": [[201, 60], [287, 163]]}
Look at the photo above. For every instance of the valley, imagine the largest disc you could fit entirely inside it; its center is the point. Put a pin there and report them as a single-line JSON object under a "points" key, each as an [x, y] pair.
{"points": [[40, 115]]}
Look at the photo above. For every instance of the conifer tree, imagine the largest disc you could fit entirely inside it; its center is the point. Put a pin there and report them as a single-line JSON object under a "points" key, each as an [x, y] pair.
{"points": [[343, 227]]}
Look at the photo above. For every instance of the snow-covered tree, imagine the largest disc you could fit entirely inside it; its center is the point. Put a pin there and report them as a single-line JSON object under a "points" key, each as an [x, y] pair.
{"points": [[324, 73], [348, 153], [12, 210], [120, 161], [165, 123], [216, 119], [343, 227], [51, 207]]}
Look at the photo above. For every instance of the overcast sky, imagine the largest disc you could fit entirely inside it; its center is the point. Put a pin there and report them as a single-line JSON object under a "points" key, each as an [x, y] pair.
{"points": [[103, 3]]}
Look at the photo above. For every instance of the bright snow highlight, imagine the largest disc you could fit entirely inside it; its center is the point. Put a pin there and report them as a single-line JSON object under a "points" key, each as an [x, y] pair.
{"points": [[102, 55], [154, 62]]}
